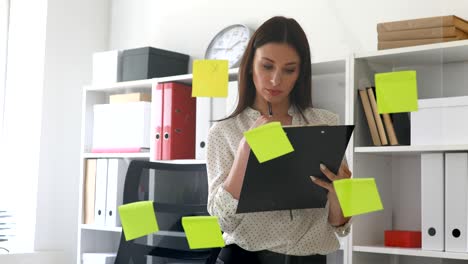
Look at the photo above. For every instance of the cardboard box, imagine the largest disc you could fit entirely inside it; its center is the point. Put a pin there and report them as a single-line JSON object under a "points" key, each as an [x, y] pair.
{"points": [[149, 62], [421, 31], [107, 67], [129, 97], [121, 127], [440, 121]]}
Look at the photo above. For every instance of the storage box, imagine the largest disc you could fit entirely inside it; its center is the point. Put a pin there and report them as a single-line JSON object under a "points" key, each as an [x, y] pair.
{"points": [[107, 67], [121, 127], [149, 62], [440, 121], [98, 258], [129, 97], [400, 238]]}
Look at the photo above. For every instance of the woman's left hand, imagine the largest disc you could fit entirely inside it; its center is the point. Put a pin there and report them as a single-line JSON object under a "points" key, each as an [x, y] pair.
{"points": [[335, 214], [343, 173]]}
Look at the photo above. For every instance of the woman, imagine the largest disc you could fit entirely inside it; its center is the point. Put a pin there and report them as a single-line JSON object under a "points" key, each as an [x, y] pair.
{"points": [[274, 85]]}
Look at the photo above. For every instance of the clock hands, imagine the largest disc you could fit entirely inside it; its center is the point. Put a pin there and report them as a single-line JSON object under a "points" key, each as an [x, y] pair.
{"points": [[235, 43]]}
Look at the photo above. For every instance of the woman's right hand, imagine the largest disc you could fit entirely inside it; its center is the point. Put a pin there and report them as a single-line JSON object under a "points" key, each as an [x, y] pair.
{"points": [[260, 121]]}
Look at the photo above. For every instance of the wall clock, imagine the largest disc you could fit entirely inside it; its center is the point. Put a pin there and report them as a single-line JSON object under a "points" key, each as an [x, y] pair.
{"points": [[229, 44]]}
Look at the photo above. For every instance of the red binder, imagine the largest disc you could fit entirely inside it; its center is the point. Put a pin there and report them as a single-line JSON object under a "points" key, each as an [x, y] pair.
{"points": [[158, 95], [175, 116]]}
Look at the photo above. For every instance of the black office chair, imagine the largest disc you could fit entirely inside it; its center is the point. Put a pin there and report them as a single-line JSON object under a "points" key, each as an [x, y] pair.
{"points": [[179, 190]]}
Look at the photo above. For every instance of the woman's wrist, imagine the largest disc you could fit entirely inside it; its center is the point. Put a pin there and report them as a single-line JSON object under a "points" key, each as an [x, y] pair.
{"points": [[336, 217], [243, 146]]}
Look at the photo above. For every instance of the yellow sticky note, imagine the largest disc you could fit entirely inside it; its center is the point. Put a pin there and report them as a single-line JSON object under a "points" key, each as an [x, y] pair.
{"points": [[210, 78], [397, 92], [138, 219], [357, 196], [268, 141], [202, 232]]}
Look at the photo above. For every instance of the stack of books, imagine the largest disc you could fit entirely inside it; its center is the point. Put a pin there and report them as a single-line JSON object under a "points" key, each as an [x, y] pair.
{"points": [[421, 31], [385, 129]]}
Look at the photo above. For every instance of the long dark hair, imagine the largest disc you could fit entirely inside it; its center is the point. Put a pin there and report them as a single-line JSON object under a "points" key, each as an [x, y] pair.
{"points": [[277, 29]]}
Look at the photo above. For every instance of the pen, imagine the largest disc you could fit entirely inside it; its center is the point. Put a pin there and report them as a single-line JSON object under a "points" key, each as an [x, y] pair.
{"points": [[270, 110]]}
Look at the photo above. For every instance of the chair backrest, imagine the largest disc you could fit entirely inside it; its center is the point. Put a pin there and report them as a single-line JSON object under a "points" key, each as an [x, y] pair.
{"points": [[178, 190]]}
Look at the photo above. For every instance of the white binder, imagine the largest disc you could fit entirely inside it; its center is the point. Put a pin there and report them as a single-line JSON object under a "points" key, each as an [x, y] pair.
{"points": [[456, 202], [101, 187], [116, 171], [432, 201], [203, 125], [209, 110]]}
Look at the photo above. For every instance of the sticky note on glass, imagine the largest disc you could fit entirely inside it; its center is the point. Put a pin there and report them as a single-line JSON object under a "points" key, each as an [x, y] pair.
{"points": [[358, 196], [397, 92], [268, 141], [202, 232], [210, 78], [138, 219]]}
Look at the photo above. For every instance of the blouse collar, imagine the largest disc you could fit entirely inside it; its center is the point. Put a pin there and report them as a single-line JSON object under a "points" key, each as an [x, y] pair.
{"points": [[292, 111]]}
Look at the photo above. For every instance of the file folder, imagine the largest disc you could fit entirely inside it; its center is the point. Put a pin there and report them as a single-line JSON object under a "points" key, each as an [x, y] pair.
{"points": [[432, 201], [116, 171], [101, 192], [456, 202], [284, 182], [158, 93], [178, 122], [89, 191]]}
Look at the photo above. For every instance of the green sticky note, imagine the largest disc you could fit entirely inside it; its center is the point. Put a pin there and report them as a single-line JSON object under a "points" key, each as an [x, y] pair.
{"points": [[202, 232], [397, 92], [268, 141], [357, 196], [210, 78], [138, 219]]}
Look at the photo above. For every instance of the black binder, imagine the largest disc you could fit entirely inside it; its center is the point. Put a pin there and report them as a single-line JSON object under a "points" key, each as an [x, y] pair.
{"points": [[284, 183]]}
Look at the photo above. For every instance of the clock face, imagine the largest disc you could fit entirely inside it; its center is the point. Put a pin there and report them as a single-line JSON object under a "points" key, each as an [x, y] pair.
{"points": [[229, 44]]}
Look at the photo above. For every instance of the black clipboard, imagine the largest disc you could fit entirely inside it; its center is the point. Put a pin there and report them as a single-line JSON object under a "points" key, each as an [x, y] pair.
{"points": [[284, 183]]}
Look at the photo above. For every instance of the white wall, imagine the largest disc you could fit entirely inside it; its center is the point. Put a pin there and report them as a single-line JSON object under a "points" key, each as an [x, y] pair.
{"points": [[20, 163], [334, 27], [75, 29], [49, 60]]}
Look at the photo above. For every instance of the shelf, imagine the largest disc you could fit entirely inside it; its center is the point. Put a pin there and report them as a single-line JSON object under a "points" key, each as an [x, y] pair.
{"points": [[148, 83], [438, 53], [410, 252], [118, 229], [411, 149], [187, 78], [101, 228], [139, 155], [111, 87], [181, 161]]}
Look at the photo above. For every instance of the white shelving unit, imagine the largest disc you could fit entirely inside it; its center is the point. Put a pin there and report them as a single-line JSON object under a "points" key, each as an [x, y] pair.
{"points": [[441, 72], [95, 238]]}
